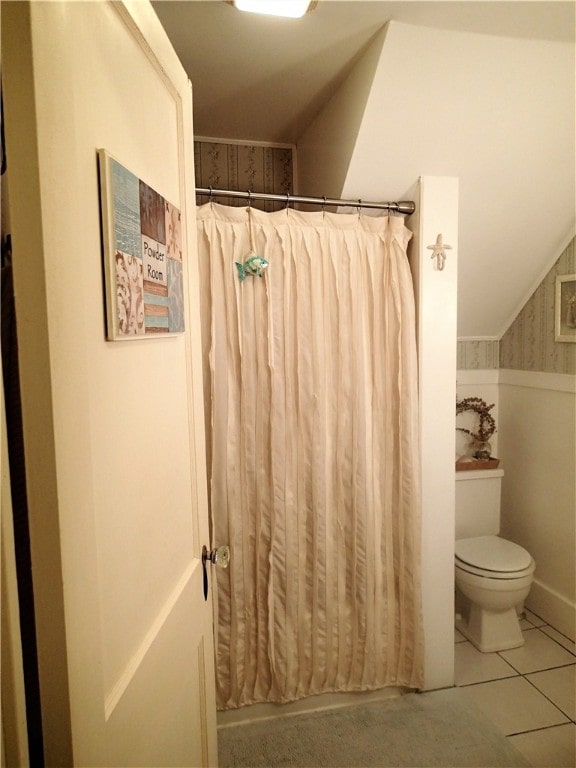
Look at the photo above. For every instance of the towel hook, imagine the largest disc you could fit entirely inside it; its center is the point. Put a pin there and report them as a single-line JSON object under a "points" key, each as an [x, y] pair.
{"points": [[439, 252]]}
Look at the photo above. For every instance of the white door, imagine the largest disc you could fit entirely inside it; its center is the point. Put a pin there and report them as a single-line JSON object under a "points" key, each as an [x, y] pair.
{"points": [[113, 430]]}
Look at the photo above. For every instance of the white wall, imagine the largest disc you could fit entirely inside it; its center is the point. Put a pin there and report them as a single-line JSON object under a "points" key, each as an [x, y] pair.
{"points": [[538, 452], [326, 147], [426, 115], [436, 302]]}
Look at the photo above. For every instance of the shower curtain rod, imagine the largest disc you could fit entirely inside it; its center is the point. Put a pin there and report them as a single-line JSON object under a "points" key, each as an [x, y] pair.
{"points": [[405, 206]]}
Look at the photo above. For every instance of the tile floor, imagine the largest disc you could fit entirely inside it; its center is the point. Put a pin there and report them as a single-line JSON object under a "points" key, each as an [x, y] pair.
{"points": [[528, 692]]}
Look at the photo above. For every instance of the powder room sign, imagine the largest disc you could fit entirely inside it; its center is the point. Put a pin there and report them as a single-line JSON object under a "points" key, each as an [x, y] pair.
{"points": [[142, 256]]}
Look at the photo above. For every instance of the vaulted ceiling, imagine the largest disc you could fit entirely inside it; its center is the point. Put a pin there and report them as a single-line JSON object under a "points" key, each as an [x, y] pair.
{"points": [[259, 78]]}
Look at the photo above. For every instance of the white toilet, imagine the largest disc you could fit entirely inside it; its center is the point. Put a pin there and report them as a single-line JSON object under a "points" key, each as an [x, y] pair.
{"points": [[493, 575]]}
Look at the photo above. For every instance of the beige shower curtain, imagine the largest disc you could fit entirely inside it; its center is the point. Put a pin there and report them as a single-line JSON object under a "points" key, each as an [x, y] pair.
{"points": [[312, 440]]}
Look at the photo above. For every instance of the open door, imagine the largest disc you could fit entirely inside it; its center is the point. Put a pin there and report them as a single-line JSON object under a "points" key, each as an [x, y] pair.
{"points": [[113, 431]]}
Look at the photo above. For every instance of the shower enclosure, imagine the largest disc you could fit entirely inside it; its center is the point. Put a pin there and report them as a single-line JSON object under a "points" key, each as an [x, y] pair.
{"points": [[312, 418]]}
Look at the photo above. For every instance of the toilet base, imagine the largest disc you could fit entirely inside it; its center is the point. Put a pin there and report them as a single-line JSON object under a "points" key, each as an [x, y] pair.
{"points": [[489, 631]]}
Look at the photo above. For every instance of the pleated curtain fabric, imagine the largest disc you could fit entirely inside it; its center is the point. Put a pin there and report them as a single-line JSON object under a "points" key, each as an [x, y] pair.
{"points": [[312, 442]]}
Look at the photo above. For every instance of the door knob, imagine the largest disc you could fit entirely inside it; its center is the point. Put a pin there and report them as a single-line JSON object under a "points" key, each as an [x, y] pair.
{"points": [[219, 556]]}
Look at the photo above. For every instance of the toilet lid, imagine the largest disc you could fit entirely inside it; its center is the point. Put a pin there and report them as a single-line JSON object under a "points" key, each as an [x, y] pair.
{"points": [[491, 553]]}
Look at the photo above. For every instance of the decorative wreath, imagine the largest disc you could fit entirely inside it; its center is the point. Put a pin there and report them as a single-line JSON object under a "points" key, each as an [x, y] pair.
{"points": [[486, 426]]}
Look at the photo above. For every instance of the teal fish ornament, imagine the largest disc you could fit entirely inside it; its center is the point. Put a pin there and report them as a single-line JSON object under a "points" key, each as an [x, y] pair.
{"points": [[254, 265]]}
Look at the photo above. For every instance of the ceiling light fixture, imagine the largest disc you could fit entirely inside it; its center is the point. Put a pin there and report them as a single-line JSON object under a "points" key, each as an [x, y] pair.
{"points": [[293, 9]]}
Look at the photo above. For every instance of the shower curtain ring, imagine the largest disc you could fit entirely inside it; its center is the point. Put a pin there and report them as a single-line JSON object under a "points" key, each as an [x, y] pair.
{"points": [[249, 199], [287, 199], [359, 206]]}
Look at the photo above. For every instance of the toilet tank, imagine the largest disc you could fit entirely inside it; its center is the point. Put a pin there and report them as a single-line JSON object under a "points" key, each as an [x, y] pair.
{"points": [[478, 502]]}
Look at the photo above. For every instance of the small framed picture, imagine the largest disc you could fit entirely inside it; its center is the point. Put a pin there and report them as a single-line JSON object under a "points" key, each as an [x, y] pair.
{"points": [[566, 308], [143, 256]]}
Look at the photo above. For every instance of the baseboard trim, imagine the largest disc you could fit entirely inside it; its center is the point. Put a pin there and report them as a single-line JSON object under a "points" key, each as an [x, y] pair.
{"points": [[553, 608]]}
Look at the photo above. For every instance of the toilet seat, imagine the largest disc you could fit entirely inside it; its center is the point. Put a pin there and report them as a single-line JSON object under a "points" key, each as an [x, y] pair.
{"points": [[493, 557]]}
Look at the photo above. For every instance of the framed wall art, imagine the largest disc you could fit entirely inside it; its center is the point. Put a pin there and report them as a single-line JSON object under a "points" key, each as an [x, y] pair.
{"points": [[565, 308], [143, 257]]}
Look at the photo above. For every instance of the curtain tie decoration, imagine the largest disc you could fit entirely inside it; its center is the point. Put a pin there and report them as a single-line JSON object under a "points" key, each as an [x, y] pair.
{"points": [[253, 264]]}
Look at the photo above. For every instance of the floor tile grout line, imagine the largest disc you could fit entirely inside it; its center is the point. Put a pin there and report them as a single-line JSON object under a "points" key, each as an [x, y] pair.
{"points": [[486, 682], [550, 669], [564, 635], [568, 664], [546, 696], [515, 669], [560, 645], [483, 682], [545, 669], [535, 730], [509, 663], [549, 626], [517, 674], [554, 639], [527, 610]]}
